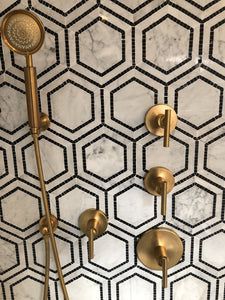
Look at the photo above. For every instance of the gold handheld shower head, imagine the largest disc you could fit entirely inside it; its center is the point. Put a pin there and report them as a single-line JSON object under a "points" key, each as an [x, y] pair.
{"points": [[24, 34]]}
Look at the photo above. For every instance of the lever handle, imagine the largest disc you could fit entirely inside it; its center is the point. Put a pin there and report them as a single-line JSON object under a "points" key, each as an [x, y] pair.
{"points": [[167, 122], [163, 192], [164, 270], [91, 244]]}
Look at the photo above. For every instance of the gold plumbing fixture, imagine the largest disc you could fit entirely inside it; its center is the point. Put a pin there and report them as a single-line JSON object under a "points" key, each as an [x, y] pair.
{"points": [[160, 249], [161, 120], [23, 33], [43, 228], [43, 225], [93, 223], [159, 181]]}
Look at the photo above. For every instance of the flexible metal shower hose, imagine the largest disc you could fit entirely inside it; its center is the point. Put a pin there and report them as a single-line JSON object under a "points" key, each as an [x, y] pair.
{"points": [[47, 213], [47, 266]]}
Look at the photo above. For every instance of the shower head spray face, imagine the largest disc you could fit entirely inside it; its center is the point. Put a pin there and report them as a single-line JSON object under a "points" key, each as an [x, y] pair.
{"points": [[22, 32]]}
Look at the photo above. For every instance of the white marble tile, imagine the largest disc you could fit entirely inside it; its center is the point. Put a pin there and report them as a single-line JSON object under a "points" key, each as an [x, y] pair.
{"points": [[20, 209], [100, 46], [28, 289], [199, 102], [104, 158], [167, 44], [213, 250], [216, 159], [136, 288], [190, 286], [194, 205], [52, 159], [8, 257], [13, 108], [71, 106], [139, 203], [73, 203], [131, 103]]}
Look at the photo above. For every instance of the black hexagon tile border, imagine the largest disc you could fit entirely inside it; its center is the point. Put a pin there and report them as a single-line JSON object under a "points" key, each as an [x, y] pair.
{"points": [[103, 64]]}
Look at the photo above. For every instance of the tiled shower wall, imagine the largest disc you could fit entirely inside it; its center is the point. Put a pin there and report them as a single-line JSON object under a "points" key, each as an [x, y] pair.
{"points": [[103, 64]]}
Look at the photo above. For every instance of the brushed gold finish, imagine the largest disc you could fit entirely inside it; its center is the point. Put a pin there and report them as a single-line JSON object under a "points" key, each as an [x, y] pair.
{"points": [[160, 249], [161, 120], [44, 122], [43, 224], [93, 223], [159, 181], [48, 216], [22, 32], [47, 266]]}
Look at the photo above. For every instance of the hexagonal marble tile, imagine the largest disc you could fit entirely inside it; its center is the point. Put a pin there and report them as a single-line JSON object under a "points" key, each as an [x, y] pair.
{"points": [[28, 288], [177, 152], [131, 5], [100, 46], [130, 102], [13, 107], [134, 206], [199, 102], [109, 245], [104, 158], [3, 163], [136, 287], [65, 248], [172, 44], [188, 285], [217, 51], [73, 202], [215, 161], [20, 208], [8, 255], [194, 205], [85, 288], [61, 5], [53, 156], [68, 95], [212, 252]]}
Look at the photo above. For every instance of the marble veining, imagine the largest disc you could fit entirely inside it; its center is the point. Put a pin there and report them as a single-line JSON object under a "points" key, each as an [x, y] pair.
{"points": [[102, 65], [104, 158], [100, 46], [194, 205], [168, 44]]}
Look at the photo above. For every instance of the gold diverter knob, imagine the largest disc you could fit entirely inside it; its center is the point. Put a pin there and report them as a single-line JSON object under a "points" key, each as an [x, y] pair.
{"points": [[159, 181], [161, 120], [160, 249], [93, 223]]}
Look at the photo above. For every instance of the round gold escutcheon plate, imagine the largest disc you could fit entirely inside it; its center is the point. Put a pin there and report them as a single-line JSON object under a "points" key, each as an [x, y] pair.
{"points": [[156, 175], [164, 237], [99, 220], [152, 119]]}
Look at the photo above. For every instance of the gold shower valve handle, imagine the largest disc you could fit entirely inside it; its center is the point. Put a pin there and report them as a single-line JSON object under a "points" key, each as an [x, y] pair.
{"points": [[160, 249], [161, 120], [93, 223], [164, 122], [163, 197], [159, 181]]}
